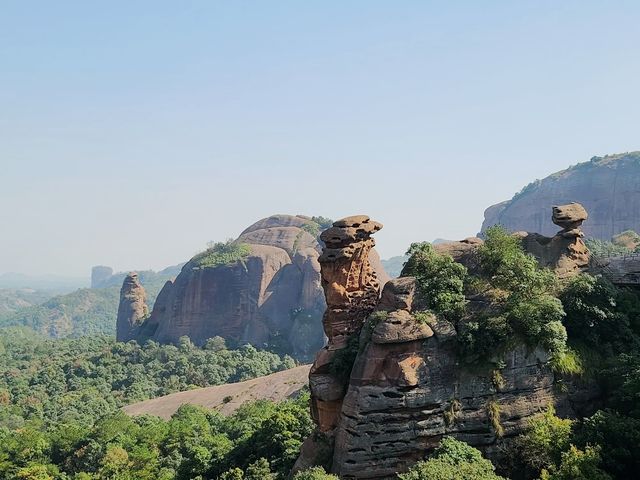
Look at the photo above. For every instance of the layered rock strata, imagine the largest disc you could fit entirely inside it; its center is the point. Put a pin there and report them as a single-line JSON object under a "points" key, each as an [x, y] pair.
{"points": [[132, 309], [351, 288], [407, 390], [408, 386]]}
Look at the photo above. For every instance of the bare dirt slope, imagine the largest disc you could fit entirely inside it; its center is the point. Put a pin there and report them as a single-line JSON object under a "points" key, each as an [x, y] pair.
{"points": [[227, 398]]}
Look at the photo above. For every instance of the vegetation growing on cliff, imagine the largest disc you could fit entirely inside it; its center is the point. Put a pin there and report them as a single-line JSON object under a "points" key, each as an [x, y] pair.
{"points": [[440, 280], [522, 306], [221, 253]]}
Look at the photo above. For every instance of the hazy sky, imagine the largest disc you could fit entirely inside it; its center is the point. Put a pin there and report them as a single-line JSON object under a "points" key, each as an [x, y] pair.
{"points": [[132, 132]]}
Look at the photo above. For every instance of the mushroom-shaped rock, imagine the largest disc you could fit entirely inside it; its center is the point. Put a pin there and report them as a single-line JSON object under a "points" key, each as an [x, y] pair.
{"points": [[570, 216]]}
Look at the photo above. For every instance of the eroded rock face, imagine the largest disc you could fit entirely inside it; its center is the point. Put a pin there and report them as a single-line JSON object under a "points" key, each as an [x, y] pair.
{"points": [[565, 252], [352, 289], [608, 187], [409, 387], [132, 309], [272, 297]]}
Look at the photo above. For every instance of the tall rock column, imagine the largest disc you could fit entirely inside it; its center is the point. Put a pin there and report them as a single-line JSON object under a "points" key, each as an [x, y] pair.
{"points": [[351, 290], [133, 309], [565, 252]]}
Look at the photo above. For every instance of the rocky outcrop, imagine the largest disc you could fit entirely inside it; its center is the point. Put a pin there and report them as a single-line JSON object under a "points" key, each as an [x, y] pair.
{"points": [[351, 288], [565, 252], [99, 275], [132, 310], [407, 390], [608, 187], [409, 386], [272, 297]]}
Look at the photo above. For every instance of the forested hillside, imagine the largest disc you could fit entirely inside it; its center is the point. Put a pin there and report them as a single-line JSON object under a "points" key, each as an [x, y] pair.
{"points": [[87, 311], [60, 418]]}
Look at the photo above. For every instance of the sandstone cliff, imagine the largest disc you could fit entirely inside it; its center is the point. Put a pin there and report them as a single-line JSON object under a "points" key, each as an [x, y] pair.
{"points": [[270, 297], [608, 187], [409, 385]]}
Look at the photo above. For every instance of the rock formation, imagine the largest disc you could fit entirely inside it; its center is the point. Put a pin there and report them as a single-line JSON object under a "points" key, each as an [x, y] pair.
{"points": [[99, 275], [565, 252], [351, 288], [273, 297], [132, 310], [408, 386], [608, 187]]}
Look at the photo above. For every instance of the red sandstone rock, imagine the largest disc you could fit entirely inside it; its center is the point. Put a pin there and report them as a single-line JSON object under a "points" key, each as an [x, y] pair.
{"points": [[274, 295], [132, 309]]}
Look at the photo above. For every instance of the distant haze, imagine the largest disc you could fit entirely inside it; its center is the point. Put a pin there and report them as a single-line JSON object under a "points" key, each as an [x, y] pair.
{"points": [[131, 133]]}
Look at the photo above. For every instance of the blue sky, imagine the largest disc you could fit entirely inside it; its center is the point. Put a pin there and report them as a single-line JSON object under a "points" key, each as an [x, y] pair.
{"points": [[131, 133]]}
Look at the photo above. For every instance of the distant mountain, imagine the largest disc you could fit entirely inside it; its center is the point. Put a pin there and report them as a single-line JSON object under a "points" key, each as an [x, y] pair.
{"points": [[608, 187], [55, 283], [13, 299], [393, 266]]}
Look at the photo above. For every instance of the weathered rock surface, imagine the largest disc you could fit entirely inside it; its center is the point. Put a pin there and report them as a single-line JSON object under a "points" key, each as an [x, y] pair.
{"points": [[272, 297], [565, 252], [408, 387], [352, 289], [608, 187], [132, 309]]}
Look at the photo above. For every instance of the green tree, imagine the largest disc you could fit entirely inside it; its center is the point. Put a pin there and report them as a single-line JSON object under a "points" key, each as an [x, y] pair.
{"points": [[314, 473], [439, 279], [452, 460], [577, 465]]}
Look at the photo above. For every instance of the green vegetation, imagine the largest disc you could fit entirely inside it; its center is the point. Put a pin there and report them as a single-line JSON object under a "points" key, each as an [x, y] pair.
{"points": [[621, 244], [604, 318], [493, 412], [343, 359], [603, 248], [87, 311], [83, 312], [453, 460], [78, 380], [587, 325], [221, 253], [316, 225], [315, 473], [524, 307], [440, 281], [258, 442]]}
